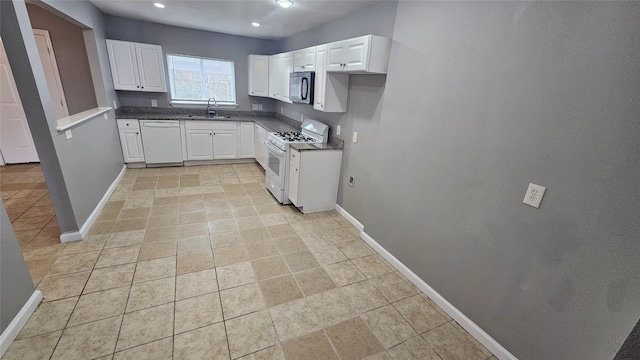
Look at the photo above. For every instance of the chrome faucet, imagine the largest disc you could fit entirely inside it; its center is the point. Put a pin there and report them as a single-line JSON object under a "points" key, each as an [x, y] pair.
{"points": [[211, 112]]}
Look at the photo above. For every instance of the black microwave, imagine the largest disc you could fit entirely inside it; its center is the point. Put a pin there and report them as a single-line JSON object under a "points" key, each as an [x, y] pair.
{"points": [[301, 87]]}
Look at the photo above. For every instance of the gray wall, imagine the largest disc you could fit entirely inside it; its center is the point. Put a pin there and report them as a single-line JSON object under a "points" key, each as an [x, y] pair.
{"points": [[182, 41], [482, 98], [16, 286], [71, 56], [78, 171]]}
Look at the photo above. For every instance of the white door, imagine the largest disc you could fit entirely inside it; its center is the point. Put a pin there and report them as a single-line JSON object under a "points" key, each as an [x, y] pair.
{"points": [[199, 144], [124, 66], [131, 142], [225, 145], [15, 136], [151, 67], [50, 66]]}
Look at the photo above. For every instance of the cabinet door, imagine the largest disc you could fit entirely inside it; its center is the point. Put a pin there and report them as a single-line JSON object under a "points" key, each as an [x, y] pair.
{"points": [[259, 75], [124, 65], [321, 77], [309, 59], [286, 68], [225, 144], [199, 144], [151, 67], [259, 147], [274, 63], [246, 149], [335, 56], [294, 176], [131, 142], [356, 56], [298, 60]]}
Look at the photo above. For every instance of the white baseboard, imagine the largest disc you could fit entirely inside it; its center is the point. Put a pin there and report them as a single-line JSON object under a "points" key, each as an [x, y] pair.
{"points": [[84, 229], [473, 329], [349, 218], [11, 332]]}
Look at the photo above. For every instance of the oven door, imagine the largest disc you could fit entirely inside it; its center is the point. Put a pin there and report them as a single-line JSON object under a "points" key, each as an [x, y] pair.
{"points": [[276, 163]]}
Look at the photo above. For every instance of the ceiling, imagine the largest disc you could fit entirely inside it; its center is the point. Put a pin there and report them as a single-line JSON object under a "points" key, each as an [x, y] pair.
{"points": [[235, 16]]}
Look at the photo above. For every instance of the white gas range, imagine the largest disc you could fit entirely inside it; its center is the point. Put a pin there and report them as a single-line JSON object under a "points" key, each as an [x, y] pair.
{"points": [[277, 172]]}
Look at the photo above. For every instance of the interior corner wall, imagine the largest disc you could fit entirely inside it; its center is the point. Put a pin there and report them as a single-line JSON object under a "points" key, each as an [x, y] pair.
{"points": [[16, 286], [183, 41], [482, 98], [69, 48]]}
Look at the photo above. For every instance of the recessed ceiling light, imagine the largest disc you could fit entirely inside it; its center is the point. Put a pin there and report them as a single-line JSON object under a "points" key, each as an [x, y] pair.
{"points": [[158, 5], [285, 3], [255, 24]]}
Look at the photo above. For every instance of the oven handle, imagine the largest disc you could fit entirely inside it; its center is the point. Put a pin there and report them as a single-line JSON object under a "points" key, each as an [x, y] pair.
{"points": [[274, 149]]}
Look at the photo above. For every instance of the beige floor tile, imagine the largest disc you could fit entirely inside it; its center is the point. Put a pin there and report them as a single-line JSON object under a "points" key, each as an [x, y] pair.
{"points": [[364, 297], [379, 356], [88, 341], [473, 340], [209, 342], [388, 326], [271, 353], [162, 220], [194, 244], [155, 269], [273, 219], [353, 340], [129, 224], [48, 317], [253, 235], [280, 290], [244, 211], [314, 281], [250, 333], [225, 239], [67, 264], [235, 275], [221, 226], [230, 255], [419, 313], [450, 344], [137, 213], [151, 293], [327, 224], [89, 244], [157, 249], [161, 234], [281, 231], [196, 283], [241, 300], [109, 278], [371, 266], [118, 256], [250, 222], [393, 287], [312, 346], [261, 249], [37, 347], [157, 350], [164, 211], [328, 255], [193, 262], [197, 312], [414, 348], [145, 326], [344, 273], [291, 244], [270, 267], [314, 240], [99, 305], [354, 249], [301, 260], [63, 286], [193, 230], [268, 209], [294, 319], [339, 236], [125, 238], [332, 307]]}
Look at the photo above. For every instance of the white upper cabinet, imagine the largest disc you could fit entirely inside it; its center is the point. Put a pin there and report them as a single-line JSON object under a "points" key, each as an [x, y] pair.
{"points": [[259, 75], [331, 89], [136, 66], [305, 59], [364, 54], [280, 66]]}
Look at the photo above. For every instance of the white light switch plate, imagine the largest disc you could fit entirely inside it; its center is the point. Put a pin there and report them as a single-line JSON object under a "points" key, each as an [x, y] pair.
{"points": [[67, 134], [154, 103], [355, 137], [534, 195], [338, 130]]}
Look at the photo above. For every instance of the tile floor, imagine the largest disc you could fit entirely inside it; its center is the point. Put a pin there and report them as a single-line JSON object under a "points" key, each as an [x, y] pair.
{"points": [[202, 263]]}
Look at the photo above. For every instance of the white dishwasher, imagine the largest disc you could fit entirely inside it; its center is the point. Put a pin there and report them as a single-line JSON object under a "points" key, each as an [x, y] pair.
{"points": [[161, 141]]}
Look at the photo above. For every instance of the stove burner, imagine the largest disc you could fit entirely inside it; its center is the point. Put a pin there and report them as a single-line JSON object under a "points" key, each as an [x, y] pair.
{"points": [[293, 137]]}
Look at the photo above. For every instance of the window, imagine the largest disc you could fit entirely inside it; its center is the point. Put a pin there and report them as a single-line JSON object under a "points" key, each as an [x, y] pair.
{"points": [[195, 79]]}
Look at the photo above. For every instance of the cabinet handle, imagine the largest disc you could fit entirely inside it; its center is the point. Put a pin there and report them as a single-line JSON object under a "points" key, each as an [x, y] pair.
{"points": [[137, 133], [138, 86], [210, 134]]}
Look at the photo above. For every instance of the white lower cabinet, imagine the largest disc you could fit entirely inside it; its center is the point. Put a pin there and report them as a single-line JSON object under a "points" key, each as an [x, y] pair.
{"points": [[259, 146], [225, 144], [199, 144], [313, 179], [131, 141], [246, 141]]}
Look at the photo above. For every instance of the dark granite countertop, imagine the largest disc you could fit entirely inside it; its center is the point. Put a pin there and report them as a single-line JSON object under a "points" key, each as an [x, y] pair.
{"points": [[314, 146], [268, 120]]}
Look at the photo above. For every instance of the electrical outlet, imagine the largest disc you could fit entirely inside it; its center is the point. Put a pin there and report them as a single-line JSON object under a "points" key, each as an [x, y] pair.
{"points": [[352, 181], [105, 116], [354, 138], [255, 107], [338, 130], [67, 134], [281, 110], [534, 195], [154, 103]]}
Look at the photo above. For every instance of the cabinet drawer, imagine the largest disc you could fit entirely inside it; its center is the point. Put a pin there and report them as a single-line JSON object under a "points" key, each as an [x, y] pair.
{"points": [[295, 157], [210, 125], [124, 124]]}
